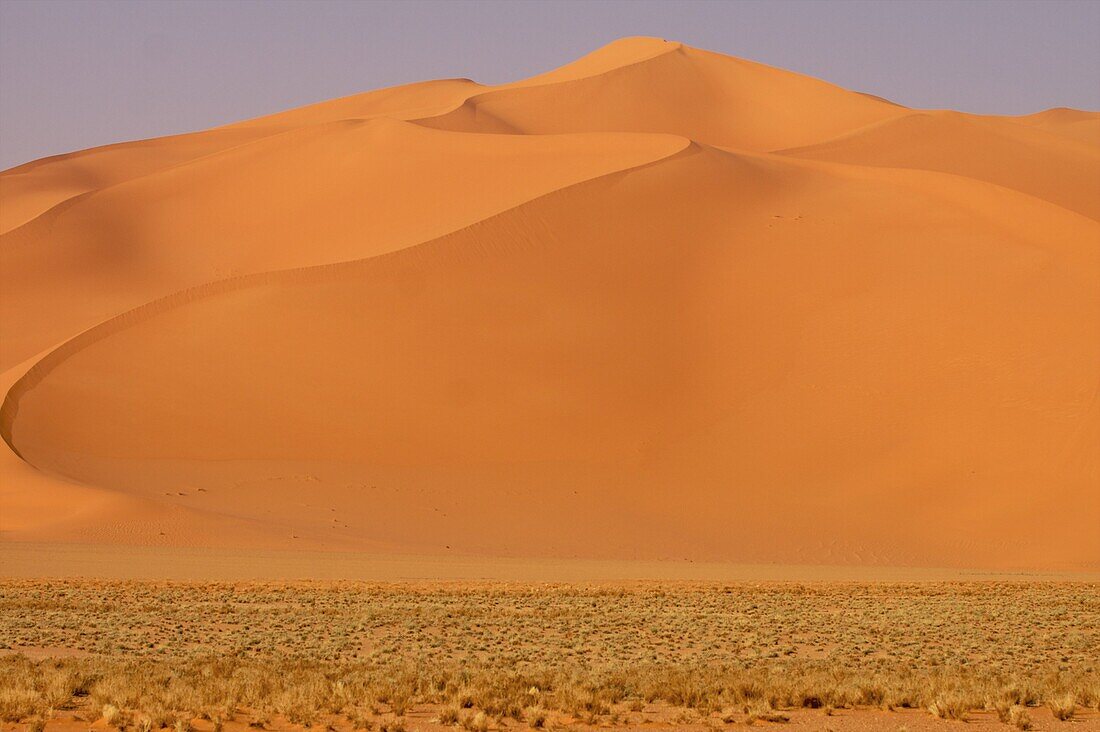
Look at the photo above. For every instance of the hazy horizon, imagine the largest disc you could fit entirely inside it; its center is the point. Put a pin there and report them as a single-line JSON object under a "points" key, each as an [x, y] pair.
{"points": [[75, 75]]}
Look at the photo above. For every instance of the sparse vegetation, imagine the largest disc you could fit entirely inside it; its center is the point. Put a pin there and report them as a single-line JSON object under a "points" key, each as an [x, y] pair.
{"points": [[494, 657]]}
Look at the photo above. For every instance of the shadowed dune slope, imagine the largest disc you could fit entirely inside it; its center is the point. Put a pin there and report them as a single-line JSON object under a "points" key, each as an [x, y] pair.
{"points": [[711, 356], [1072, 123], [1039, 162], [31, 189], [404, 102], [324, 193], [592, 314]]}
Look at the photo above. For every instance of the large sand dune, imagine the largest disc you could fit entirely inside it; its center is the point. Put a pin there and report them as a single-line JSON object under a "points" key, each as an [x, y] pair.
{"points": [[656, 304]]}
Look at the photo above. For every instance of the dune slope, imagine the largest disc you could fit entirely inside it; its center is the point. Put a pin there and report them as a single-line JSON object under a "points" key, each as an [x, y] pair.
{"points": [[544, 358], [1042, 163], [1071, 123], [589, 314], [31, 189], [324, 193]]}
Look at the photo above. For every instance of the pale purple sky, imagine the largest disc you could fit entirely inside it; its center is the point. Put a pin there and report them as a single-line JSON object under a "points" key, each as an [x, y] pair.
{"points": [[90, 72]]}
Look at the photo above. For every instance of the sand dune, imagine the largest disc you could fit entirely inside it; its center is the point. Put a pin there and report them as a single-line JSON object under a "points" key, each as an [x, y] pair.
{"points": [[1072, 123], [645, 85], [32, 189], [325, 193], [656, 304], [1040, 162]]}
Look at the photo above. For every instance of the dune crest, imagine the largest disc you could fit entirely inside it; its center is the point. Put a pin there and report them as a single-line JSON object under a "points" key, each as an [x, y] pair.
{"points": [[656, 304], [674, 89]]}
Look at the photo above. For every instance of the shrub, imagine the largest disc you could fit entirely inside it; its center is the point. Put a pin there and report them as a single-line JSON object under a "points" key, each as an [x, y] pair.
{"points": [[536, 717], [392, 725], [1063, 707], [1019, 718], [949, 706], [449, 714]]}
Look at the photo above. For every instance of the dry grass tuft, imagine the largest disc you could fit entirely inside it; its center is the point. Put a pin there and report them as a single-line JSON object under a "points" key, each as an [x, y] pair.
{"points": [[1019, 718], [477, 722], [1063, 707], [395, 724], [765, 712], [17, 704], [449, 714], [950, 706], [1013, 714]]}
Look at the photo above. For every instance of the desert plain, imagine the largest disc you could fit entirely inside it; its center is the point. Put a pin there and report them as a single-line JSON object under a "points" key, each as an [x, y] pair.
{"points": [[664, 389]]}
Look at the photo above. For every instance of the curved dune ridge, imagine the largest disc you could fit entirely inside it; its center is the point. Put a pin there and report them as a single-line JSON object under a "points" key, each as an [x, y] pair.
{"points": [[659, 303]]}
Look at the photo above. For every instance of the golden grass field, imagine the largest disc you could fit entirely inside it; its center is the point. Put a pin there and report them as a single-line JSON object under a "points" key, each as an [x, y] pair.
{"points": [[388, 657]]}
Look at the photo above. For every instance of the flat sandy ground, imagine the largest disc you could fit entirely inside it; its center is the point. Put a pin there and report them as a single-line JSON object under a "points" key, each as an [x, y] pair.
{"points": [[513, 656], [38, 560]]}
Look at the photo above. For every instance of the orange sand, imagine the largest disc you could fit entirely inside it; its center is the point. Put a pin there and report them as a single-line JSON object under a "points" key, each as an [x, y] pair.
{"points": [[659, 304]]}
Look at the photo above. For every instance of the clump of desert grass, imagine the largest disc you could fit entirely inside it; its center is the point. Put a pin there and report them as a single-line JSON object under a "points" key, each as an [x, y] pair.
{"points": [[1019, 718], [537, 718], [763, 710], [950, 706], [449, 714], [1063, 707], [394, 724]]}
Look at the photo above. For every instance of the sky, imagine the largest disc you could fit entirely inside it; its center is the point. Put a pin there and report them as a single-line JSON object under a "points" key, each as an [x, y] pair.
{"points": [[76, 74]]}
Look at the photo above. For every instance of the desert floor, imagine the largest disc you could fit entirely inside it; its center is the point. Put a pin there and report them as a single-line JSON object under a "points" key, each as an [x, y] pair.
{"points": [[510, 655]]}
